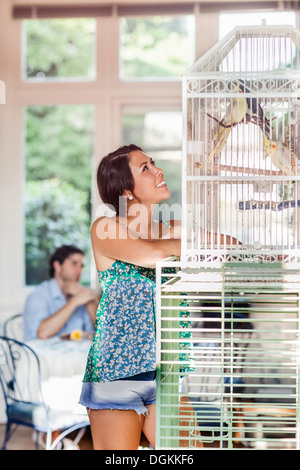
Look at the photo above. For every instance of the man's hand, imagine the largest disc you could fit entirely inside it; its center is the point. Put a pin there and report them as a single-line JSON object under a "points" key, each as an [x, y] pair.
{"points": [[81, 295], [71, 288], [85, 296], [76, 295]]}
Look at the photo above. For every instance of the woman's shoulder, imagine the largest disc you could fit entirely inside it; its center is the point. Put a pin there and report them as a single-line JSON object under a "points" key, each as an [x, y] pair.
{"points": [[102, 232], [103, 219], [103, 225]]}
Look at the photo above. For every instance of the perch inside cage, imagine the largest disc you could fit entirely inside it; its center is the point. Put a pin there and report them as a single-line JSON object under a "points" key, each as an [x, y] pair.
{"points": [[241, 167]]}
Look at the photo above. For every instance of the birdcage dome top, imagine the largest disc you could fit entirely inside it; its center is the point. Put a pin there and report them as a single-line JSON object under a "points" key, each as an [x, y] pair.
{"points": [[252, 50]]}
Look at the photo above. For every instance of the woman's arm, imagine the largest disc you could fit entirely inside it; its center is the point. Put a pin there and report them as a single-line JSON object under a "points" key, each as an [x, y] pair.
{"points": [[214, 238]]}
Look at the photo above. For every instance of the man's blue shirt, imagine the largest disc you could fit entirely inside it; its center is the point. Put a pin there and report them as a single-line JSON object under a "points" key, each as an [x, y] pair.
{"points": [[45, 300]]}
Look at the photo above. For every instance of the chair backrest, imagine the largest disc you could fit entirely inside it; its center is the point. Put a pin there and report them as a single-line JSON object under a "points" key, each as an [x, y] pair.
{"points": [[20, 376], [14, 327]]}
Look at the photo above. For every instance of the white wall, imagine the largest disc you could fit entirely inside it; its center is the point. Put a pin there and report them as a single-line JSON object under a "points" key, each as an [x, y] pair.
{"points": [[11, 211]]}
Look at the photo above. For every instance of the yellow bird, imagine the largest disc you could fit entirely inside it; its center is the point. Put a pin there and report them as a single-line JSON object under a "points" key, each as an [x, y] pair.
{"points": [[242, 109], [234, 114]]}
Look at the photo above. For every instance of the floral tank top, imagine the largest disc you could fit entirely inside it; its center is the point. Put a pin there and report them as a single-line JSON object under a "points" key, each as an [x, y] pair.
{"points": [[124, 340]]}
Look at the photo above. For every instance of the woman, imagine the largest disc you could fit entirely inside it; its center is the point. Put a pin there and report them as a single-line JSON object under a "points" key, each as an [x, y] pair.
{"points": [[119, 383]]}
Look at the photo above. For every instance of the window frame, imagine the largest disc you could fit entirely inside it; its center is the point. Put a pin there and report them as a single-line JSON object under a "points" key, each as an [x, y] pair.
{"points": [[109, 94]]}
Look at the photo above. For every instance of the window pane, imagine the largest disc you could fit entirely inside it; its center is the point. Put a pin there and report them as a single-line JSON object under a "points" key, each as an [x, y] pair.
{"points": [[157, 47], [59, 147], [60, 49], [159, 134]]}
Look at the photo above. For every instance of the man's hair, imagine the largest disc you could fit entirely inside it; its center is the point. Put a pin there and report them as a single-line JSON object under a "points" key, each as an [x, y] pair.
{"points": [[61, 254]]}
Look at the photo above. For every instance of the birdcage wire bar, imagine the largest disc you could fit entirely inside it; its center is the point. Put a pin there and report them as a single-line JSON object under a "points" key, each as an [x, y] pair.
{"points": [[228, 362]]}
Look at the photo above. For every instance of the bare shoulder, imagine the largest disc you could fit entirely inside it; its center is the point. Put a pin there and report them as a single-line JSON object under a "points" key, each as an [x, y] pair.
{"points": [[102, 221], [103, 228], [102, 231]]}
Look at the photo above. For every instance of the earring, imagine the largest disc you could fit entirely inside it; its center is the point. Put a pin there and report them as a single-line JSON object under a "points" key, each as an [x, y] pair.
{"points": [[130, 197]]}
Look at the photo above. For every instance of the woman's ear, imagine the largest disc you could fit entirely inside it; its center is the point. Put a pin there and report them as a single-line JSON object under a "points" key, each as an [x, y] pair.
{"points": [[128, 195]]}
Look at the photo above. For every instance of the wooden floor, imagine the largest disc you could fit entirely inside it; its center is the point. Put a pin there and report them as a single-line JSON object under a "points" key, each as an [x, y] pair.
{"points": [[22, 439]]}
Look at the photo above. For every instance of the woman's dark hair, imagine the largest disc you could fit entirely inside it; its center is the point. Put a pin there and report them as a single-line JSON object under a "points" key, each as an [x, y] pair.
{"points": [[61, 254], [114, 176]]}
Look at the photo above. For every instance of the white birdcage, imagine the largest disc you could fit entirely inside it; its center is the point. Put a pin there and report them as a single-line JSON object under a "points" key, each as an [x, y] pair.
{"points": [[241, 150]]}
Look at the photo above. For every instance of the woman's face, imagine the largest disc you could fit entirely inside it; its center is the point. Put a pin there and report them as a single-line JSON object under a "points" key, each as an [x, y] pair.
{"points": [[149, 184]]}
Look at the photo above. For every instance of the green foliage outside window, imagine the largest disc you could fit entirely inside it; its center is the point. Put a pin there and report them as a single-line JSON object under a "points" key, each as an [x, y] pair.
{"points": [[59, 138], [161, 47], [59, 147], [55, 215], [60, 48]]}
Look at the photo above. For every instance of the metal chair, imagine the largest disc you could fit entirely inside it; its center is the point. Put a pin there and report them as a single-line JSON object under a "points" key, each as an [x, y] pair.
{"points": [[13, 327], [20, 378]]}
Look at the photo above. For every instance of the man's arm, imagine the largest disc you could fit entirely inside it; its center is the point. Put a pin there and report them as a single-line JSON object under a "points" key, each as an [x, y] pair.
{"points": [[72, 289], [36, 309], [54, 323]]}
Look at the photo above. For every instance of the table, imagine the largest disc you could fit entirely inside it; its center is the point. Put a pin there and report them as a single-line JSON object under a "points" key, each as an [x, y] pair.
{"points": [[62, 368]]}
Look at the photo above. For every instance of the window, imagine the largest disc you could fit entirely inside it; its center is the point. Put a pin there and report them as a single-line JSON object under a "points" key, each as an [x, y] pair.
{"points": [[60, 119], [59, 146], [59, 49], [159, 47]]}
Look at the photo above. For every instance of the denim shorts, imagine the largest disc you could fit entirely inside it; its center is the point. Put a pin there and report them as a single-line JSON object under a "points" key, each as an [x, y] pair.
{"points": [[125, 394]]}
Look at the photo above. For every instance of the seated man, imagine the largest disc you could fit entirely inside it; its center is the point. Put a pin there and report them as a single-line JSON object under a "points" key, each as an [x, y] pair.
{"points": [[60, 305]]}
